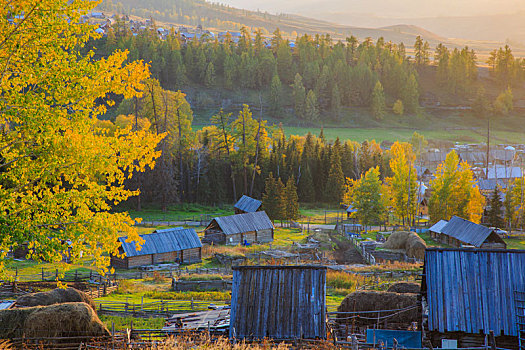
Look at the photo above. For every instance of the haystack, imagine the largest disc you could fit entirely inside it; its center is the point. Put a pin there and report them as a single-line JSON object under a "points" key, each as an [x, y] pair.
{"points": [[404, 287], [413, 245], [61, 320], [397, 240], [374, 301], [55, 296]]}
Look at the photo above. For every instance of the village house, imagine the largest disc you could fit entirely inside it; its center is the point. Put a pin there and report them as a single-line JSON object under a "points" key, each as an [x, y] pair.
{"points": [[469, 293], [247, 204], [244, 228], [459, 232], [278, 302], [180, 245]]}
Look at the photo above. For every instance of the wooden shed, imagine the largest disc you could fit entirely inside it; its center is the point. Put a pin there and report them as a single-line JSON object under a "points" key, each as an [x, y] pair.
{"points": [[178, 244], [278, 302], [241, 228], [247, 204], [468, 293], [459, 232]]}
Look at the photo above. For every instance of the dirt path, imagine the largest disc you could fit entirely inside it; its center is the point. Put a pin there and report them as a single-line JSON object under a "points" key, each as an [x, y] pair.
{"points": [[345, 253]]}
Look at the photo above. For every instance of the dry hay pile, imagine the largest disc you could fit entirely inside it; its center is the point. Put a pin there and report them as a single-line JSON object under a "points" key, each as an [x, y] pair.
{"points": [[55, 296], [373, 301], [409, 241], [61, 320], [404, 287]]}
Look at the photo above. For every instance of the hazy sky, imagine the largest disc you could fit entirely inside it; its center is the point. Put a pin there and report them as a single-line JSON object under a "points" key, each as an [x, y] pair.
{"points": [[383, 8]]}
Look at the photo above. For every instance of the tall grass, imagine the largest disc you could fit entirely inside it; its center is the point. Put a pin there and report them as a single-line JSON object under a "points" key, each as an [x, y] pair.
{"points": [[203, 296], [343, 280], [122, 323]]}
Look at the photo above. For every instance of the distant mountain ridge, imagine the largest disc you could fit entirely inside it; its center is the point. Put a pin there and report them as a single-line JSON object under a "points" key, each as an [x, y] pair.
{"points": [[496, 27], [169, 10]]}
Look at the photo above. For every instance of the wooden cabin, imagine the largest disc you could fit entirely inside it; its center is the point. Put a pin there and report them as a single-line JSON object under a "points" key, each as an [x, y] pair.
{"points": [[459, 232], [180, 245], [247, 204], [239, 229]]}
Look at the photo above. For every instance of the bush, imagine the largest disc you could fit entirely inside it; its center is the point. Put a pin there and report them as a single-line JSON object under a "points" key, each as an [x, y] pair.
{"points": [[398, 107]]}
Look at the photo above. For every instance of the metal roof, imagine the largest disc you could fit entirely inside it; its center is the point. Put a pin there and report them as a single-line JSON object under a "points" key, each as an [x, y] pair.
{"points": [[248, 204], [246, 222], [438, 226], [490, 184], [501, 172], [278, 302], [466, 231], [163, 241], [471, 290], [6, 304]]}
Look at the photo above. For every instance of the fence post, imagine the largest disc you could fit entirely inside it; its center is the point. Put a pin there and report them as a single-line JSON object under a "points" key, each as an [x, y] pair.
{"points": [[42, 274], [76, 275], [56, 274]]}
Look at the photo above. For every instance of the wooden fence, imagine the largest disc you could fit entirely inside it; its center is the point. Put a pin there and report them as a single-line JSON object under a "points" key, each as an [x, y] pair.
{"points": [[161, 308]]}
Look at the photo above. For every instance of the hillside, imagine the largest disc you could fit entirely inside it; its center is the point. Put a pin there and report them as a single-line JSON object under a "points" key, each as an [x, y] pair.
{"points": [[209, 15]]}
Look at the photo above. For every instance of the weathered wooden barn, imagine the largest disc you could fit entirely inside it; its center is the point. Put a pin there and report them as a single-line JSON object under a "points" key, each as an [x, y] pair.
{"points": [[435, 230], [239, 229], [467, 293], [278, 302], [178, 244], [459, 232], [247, 204]]}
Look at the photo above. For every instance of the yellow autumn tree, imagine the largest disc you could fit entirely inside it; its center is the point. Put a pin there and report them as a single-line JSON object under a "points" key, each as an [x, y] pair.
{"points": [[60, 172], [402, 187], [454, 192]]}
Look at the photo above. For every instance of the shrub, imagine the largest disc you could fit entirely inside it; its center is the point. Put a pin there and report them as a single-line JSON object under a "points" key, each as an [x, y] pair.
{"points": [[398, 107]]}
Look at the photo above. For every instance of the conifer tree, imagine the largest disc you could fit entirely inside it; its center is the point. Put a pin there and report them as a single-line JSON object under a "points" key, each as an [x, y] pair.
{"points": [[272, 198], [311, 110], [495, 213], [335, 184], [281, 203], [306, 185], [291, 210], [336, 102], [410, 94], [209, 77], [378, 101], [299, 94], [275, 96]]}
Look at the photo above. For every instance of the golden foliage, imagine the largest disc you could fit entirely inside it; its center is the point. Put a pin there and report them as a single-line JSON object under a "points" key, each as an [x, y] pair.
{"points": [[60, 172]]}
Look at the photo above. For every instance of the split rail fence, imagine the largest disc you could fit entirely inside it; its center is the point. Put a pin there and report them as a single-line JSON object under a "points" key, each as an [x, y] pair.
{"points": [[161, 308]]}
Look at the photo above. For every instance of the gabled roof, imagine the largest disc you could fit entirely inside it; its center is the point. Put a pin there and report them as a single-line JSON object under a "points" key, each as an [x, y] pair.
{"points": [[163, 241], [438, 226], [471, 290], [466, 231], [246, 222], [248, 204]]}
